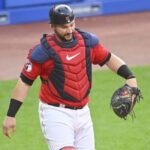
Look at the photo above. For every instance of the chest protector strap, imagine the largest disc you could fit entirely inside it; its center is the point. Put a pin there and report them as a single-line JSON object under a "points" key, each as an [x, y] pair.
{"points": [[57, 76]]}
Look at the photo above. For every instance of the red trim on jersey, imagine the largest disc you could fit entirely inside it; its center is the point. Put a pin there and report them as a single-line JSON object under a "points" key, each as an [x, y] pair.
{"points": [[99, 54]]}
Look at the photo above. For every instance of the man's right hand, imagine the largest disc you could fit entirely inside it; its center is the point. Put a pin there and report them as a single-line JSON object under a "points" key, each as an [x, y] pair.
{"points": [[9, 126]]}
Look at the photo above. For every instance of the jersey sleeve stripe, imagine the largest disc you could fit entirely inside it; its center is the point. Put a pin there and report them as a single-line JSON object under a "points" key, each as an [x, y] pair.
{"points": [[106, 59], [26, 80]]}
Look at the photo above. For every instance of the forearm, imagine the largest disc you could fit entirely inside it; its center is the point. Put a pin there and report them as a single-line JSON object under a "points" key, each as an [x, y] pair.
{"points": [[118, 66], [18, 95], [20, 91], [114, 63]]}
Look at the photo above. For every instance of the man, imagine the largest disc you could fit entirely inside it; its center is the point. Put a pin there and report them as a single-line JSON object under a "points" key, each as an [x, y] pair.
{"points": [[63, 61]]}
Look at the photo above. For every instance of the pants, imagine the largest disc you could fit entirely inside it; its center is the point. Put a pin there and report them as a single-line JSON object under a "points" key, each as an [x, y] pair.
{"points": [[64, 127]]}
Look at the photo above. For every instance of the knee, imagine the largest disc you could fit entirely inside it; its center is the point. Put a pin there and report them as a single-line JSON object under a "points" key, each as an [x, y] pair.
{"points": [[68, 148]]}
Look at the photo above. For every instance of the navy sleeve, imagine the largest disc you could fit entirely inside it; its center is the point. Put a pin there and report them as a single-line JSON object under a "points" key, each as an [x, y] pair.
{"points": [[38, 54], [93, 40]]}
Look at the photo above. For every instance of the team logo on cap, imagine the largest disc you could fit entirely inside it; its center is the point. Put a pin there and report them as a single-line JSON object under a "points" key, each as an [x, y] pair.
{"points": [[28, 66], [68, 19]]}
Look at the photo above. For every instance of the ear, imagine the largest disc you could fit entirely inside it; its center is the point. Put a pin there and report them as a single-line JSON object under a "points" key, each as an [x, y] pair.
{"points": [[52, 26]]}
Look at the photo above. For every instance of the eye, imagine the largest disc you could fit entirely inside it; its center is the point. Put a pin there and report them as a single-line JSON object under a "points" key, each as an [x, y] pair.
{"points": [[64, 27]]}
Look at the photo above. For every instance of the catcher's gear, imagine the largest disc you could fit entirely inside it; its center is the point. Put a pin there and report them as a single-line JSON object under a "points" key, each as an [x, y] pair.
{"points": [[124, 99]]}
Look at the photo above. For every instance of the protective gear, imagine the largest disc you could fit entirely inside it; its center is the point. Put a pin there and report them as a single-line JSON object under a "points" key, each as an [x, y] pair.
{"points": [[67, 89], [59, 79], [124, 99], [61, 14]]}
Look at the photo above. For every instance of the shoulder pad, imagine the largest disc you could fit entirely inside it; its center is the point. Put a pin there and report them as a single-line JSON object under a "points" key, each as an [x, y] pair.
{"points": [[38, 54], [92, 39]]}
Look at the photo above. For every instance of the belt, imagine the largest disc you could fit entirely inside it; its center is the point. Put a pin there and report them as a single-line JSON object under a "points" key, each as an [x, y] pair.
{"points": [[64, 106]]}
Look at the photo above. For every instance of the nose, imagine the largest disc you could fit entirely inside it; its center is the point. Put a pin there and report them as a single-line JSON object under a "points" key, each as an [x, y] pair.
{"points": [[69, 30]]}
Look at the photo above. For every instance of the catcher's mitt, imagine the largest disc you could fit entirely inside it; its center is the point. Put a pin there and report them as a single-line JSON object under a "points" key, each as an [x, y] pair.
{"points": [[124, 99]]}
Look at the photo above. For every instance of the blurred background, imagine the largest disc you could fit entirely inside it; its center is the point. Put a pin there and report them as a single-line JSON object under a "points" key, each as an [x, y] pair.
{"points": [[123, 27], [23, 11]]}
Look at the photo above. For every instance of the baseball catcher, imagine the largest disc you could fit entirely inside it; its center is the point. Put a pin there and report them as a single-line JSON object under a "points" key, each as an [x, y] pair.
{"points": [[124, 99], [63, 60]]}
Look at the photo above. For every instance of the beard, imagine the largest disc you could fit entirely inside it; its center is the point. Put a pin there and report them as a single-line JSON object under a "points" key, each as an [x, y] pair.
{"points": [[66, 37]]}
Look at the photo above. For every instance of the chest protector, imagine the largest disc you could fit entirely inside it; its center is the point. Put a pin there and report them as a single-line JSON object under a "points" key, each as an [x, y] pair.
{"points": [[70, 78]]}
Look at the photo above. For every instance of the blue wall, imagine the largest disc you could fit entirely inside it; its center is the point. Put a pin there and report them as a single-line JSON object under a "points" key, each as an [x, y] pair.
{"points": [[24, 3], [124, 6], [25, 11], [2, 3]]}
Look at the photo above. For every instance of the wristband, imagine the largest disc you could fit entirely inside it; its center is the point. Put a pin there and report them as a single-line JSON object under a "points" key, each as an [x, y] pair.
{"points": [[13, 107], [125, 72]]}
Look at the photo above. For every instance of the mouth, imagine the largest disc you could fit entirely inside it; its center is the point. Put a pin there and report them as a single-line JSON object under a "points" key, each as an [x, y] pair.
{"points": [[68, 36]]}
